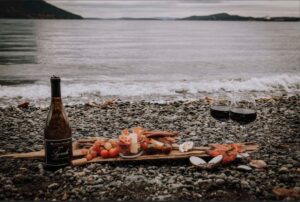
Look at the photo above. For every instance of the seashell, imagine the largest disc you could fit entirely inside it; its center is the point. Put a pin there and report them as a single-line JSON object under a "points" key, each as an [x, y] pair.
{"points": [[197, 161], [186, 146], [244, 168], [242, 155], [260, 164], [216, 160]]}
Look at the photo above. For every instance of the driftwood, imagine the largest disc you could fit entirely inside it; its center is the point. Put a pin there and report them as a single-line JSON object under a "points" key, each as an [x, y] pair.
{"points": [[84, 143], [102, 105]]}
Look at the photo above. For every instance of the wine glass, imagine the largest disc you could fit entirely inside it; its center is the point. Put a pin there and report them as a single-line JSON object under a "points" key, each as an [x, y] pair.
{"points": [[243, 110], [220, 107]]}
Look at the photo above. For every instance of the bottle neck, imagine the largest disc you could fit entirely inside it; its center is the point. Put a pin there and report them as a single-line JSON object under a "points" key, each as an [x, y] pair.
{"points": [[55, 89]]}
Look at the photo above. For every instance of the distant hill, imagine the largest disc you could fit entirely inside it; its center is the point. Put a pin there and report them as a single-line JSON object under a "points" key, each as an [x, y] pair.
{"points": [[33, 9], [227, 17], [214, 17]]}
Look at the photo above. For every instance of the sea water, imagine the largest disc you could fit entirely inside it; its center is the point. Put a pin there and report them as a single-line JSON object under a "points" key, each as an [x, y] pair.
{"points": [[160, 60]]}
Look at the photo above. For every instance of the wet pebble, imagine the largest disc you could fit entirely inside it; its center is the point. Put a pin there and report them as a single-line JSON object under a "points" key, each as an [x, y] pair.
{"points": [[53, 186]]}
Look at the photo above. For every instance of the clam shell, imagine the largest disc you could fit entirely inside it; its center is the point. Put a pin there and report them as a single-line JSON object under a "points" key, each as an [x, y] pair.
{"points": [[197, 161], [258, 164], [242, 155], [216, 160], [244, 168], [186, 146]]}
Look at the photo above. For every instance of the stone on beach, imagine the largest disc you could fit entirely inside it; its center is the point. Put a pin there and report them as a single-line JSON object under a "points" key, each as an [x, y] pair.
{"points": [[25, 179]]}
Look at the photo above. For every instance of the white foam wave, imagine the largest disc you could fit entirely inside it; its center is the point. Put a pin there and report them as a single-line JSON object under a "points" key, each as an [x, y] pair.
{"points": [[287, 83]]}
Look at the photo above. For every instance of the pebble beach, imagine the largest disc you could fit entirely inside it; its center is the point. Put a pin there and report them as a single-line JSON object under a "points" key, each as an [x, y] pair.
{"points": [[276, 130]]}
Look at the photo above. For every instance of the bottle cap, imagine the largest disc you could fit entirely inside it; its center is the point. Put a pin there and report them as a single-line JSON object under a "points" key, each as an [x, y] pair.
{"points": [[55, 78]]}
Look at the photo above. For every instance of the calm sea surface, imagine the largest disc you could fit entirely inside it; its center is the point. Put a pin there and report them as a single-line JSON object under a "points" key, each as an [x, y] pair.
{"points": [[147, 58]]}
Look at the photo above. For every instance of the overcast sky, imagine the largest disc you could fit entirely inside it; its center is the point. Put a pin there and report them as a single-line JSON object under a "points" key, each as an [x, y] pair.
{"points": [[178, 8]]}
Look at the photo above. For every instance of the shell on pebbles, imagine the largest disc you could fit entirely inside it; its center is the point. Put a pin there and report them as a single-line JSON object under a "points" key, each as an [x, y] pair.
{"points": [[186, 146], [197, 161], [242, 155], [260, 164], [244, 168], [216, 160]]}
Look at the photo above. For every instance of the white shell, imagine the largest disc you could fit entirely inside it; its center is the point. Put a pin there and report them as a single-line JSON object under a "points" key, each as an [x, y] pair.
{"points": [[242, 155], [197, 160], [244, 168], [186, 146], [216, 159], [258, 164]]}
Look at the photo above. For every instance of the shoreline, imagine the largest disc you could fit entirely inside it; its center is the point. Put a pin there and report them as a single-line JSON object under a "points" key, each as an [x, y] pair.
{"points": [[180, 95], [276, 130]]}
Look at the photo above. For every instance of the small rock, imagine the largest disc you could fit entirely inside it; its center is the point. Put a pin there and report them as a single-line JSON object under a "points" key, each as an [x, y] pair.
{"points": [[65, 196], [53, 186], [163, 197], [283, 170], [220, 181], [289, 166], [117, 183], [10, 146], [138, 180], [245, 184], [23, 105], [41, 169], [297, 189], [260, 164], [8, 187], [244, 168], [79, 174]]}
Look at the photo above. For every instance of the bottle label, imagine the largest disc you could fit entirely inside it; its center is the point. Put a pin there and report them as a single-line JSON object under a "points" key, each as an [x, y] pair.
{"points": [[58, 152]]}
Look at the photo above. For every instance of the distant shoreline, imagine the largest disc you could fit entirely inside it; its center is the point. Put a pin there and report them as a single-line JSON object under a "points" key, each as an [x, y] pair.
{"points": [[214, 17]]}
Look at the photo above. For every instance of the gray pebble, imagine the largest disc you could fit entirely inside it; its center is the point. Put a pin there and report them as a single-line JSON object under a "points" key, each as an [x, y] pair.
{"points": [[53, 186], [244, 184], [244, 168], [283, 170], [220, 181]]}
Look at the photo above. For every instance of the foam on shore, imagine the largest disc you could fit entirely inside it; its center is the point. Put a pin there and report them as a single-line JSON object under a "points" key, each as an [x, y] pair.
{"points": [[268, 84]]}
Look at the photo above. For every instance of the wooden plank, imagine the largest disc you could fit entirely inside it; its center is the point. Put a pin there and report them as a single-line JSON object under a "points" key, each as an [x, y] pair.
{"points": [[37, 154], [175, 154], [41, 153]]}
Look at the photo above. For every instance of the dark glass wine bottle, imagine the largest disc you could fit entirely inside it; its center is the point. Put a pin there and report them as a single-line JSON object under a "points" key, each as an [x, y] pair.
{"points": [[57, 136]]}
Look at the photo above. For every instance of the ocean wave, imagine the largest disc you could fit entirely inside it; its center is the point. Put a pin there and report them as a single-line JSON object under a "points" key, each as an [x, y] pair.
{"points": [[284, 83]]}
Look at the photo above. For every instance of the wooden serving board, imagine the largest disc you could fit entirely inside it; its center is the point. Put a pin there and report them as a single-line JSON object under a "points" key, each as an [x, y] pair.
{"points": [[41, 153], [175, 154]]}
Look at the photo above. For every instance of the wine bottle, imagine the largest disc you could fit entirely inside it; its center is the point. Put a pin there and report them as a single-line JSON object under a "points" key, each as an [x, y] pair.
{"points": [[57, 136]]}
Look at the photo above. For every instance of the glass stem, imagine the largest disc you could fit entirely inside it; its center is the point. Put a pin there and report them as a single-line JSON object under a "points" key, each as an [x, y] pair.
{"points": [[223, 127], [244, 134]]}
